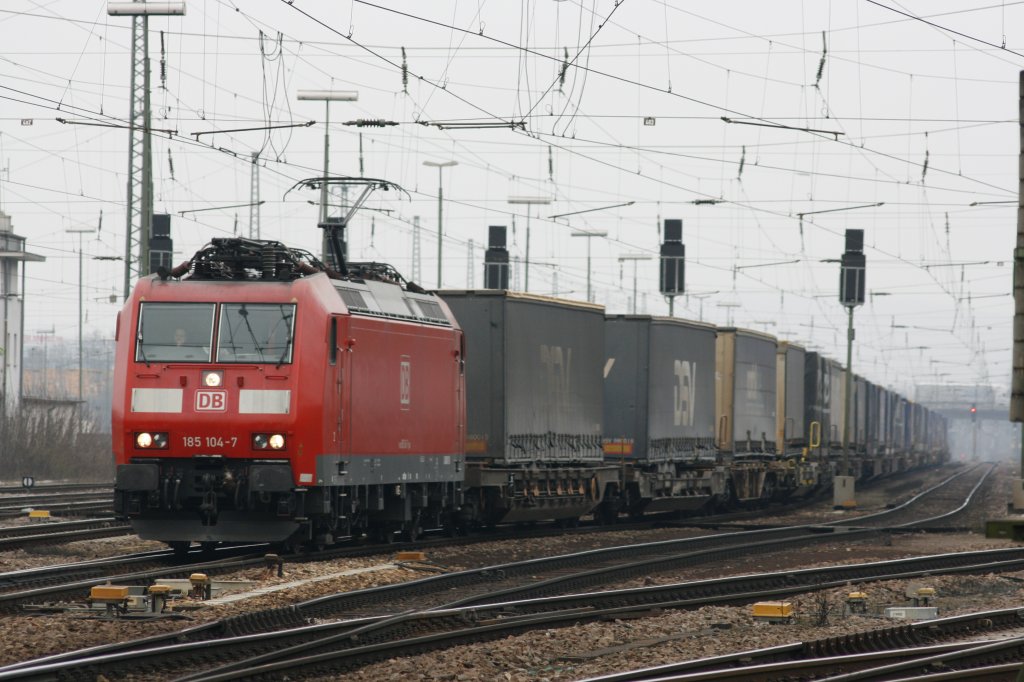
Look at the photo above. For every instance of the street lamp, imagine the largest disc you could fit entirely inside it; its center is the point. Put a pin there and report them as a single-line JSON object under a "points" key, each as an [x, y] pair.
{"points": [[80, 232], [528, 201], [700, 297], [588, 235], [326, 96], [729, 306], [635, 257], [439, 165]]}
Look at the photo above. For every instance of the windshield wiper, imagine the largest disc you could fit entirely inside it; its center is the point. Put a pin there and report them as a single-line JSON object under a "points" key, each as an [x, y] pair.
{"points": [[142, 346], [288, 337], [245, 318]]}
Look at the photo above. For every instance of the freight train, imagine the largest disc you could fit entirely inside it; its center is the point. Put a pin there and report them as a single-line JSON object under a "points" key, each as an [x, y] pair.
{"points": [[261, 395]]}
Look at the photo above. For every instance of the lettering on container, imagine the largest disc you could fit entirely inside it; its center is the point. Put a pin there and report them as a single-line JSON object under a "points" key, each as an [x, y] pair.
{"points": [[684, 392], [557, 364]]}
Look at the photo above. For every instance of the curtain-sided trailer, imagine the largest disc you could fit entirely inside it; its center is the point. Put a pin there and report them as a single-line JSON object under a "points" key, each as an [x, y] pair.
{"points": [[659, 416], [534, 406]]}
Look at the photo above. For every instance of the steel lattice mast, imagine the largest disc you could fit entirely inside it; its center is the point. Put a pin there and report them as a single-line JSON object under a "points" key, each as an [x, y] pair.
{"points": [[139, 170]]}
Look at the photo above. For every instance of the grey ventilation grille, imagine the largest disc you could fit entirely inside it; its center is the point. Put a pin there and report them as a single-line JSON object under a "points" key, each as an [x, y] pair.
{"points": [[352, 298]]}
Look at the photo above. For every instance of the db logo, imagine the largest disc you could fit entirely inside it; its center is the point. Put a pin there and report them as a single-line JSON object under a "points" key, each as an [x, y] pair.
{"points": [[211, 401], [405, 383]]}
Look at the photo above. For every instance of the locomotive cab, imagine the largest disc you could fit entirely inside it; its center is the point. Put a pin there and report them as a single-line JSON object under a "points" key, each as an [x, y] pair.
{"points": [[208, 422]]}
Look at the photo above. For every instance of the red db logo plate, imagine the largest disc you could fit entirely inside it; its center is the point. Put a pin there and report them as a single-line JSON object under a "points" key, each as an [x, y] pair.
{"points": [[211, 401]]}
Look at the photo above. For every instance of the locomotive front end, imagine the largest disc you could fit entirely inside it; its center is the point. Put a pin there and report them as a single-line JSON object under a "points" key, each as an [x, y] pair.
{"points": [[204, 428]]}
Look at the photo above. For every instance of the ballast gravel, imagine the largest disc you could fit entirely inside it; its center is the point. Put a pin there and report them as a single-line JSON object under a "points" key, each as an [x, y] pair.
{"points": [[579, 651]]}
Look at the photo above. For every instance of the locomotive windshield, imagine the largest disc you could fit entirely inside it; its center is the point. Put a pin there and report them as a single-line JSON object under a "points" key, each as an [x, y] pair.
{"points": [[256, 332], [174, 332]]}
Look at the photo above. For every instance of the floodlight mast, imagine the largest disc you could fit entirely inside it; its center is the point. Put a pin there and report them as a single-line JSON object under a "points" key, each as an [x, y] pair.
{"points": [[440, 166], [635, 257], [588, 235], [140, 167], [529, 202]]}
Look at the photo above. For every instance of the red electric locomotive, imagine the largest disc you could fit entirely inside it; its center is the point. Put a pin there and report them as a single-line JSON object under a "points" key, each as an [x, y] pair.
{"points": [[261, 396]]}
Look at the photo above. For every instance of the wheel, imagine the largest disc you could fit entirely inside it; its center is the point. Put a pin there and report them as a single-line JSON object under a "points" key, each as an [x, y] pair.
{"points": [[180, 548], [412, 533]]}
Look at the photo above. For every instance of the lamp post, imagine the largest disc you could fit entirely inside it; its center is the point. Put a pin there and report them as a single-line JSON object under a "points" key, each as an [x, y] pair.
{"points": [[528, 201], [140, 162], [80, 232], [729, 306], [439, 165], [700, 297], [326, 96], [635, 257], [588, 235]]}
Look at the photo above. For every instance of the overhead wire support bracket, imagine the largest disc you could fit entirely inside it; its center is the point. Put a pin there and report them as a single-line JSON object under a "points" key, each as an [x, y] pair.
{"points": [[471, 125], [257, 128], [96, 124], [221, 208], [836, 133], [591, 210]]}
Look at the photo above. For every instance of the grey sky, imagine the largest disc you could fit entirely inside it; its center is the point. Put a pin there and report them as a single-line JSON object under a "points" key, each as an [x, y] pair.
{"points": [[919, 118]]}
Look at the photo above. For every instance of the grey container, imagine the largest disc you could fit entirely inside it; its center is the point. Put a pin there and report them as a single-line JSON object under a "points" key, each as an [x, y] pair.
{"points": [[745, 391], [791, 362], [533, 376], [659, 388], [818, 398]]}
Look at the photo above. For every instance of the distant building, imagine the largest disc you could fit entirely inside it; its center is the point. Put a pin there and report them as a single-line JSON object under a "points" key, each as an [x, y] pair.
{"points": [[12, 306]]}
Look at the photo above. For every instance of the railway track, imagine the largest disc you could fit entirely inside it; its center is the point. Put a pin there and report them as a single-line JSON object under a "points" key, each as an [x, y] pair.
{"points": [[912, 651], [69, 582], [336, 647], [55, 488], [58, 504], [487, 586], [19, 537]]}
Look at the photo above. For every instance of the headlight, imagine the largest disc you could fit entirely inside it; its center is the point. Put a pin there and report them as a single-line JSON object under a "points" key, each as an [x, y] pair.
{"points": [[263, 441], [213, 378], [145, 440]]}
